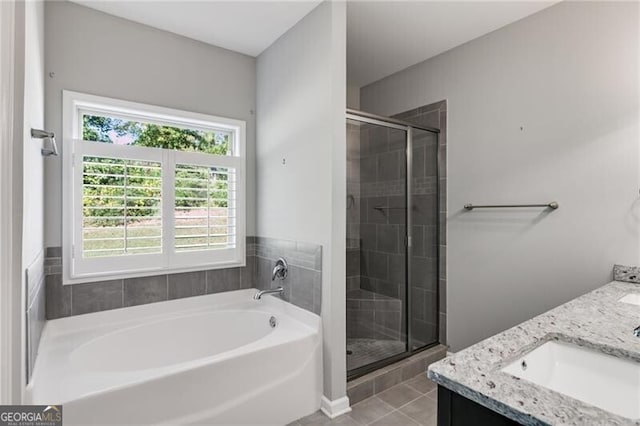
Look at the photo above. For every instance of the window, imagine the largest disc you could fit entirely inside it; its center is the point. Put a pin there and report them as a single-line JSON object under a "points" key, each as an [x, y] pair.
{"points": [[149, 189]]}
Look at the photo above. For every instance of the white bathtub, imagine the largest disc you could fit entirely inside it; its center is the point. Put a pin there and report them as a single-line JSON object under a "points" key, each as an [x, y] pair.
{"points": [[212, 359]]}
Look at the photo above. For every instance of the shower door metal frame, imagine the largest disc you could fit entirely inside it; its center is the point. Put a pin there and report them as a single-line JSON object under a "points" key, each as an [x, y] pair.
{"points": [[408, 127]]}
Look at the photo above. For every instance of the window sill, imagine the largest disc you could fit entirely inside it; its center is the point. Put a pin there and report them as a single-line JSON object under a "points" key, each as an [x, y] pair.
{"points": [[109, 276]]}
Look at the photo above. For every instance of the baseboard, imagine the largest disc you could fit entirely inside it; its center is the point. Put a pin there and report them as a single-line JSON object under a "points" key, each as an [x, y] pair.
{"points": [[335, 408]]}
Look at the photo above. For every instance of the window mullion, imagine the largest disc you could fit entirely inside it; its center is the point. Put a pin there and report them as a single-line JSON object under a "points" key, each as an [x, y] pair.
{"points": [[77, 201], [168, 206], [208, 206], [126, 219]]}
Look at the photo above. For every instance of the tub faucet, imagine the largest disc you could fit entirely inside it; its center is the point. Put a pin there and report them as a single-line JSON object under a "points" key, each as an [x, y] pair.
{"points": [[281, 269], [279, 290]]}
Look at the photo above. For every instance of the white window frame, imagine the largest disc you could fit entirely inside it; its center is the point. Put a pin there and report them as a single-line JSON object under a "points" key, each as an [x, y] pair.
{"points": [[75, 268]]}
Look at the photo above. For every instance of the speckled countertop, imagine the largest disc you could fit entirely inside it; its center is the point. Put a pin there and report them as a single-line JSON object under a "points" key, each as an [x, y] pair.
{"points": [[596, 320]]}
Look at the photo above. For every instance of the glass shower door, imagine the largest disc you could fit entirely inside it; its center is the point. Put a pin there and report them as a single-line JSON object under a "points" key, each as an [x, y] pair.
{"points": [[376, 243]]}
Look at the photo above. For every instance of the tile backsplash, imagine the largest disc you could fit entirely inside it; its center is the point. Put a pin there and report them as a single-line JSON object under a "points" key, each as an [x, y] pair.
{"points": [[303, 283], [302, 286], [630, 274]]}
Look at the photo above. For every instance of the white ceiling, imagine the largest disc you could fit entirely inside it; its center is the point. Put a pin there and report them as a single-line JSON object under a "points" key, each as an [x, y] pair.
{"points": [[384, 37], [248, 27]]}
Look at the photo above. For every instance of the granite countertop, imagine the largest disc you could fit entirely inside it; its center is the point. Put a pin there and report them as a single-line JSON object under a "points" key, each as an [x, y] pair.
{"points": [[595, 320]]}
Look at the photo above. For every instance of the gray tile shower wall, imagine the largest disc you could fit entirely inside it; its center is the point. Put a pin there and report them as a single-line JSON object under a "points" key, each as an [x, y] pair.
{"points": [[376, 265], [373, 316], [382, 210], [353, 183], [353, 265], [68, 300], [303, 285], [353, 205]]}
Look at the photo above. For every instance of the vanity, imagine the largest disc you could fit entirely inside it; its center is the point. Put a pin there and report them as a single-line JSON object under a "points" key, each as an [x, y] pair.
{"points": [[577, 364]]}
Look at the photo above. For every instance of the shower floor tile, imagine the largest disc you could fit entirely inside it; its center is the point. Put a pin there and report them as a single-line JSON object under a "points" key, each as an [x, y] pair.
{"points": [[361, 352]]}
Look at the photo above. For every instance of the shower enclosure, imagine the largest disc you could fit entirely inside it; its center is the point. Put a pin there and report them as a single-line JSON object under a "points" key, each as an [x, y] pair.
{"points": [[392, 240]]}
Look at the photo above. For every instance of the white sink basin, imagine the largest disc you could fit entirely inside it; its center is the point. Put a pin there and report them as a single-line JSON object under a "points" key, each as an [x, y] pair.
{"points": [[631, 298], [605, 381]]}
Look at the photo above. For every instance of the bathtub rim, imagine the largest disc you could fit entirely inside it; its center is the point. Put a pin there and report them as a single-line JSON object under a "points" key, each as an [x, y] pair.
{"points": [[71, 324], [64, 328]]}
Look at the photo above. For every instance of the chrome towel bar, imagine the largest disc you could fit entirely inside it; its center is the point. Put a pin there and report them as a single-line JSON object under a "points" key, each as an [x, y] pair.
{"points": [[552, 205]]}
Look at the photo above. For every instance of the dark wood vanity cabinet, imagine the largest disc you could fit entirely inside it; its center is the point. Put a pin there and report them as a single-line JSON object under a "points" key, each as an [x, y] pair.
{"points": [[456, 410]]}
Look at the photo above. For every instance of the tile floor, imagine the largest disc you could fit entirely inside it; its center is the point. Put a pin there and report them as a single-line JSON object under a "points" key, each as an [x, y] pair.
{"points": [[410, 403]]}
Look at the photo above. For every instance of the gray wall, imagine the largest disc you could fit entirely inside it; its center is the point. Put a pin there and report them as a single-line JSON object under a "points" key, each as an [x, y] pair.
{"points": [[30, 45], [543, 109], [34, 98], [353, 97], [10, 213], [92, 52], [301, 83]]}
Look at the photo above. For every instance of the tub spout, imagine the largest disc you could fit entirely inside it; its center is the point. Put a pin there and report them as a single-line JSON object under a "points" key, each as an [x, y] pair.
{"points": [[279, 290]]}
